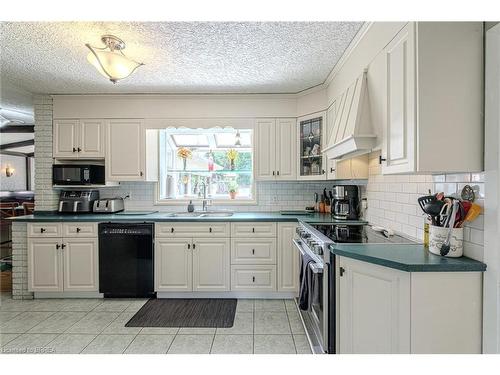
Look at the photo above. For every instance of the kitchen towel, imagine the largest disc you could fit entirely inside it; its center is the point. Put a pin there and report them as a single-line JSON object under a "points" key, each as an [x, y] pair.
{"points": [[306, 282]]}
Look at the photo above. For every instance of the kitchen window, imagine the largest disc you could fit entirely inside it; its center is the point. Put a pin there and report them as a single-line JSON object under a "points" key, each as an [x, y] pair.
{"points": [[217, 162]]}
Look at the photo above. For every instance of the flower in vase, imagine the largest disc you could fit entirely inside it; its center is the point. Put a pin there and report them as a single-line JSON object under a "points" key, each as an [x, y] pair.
{"points": [[184, 153]]}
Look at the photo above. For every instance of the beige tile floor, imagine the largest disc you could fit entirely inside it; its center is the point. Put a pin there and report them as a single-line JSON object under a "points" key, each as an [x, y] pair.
{"points": [[98, 326]]}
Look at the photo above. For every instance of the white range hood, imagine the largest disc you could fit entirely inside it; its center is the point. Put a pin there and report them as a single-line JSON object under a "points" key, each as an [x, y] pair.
{"points": [[351, 131]]}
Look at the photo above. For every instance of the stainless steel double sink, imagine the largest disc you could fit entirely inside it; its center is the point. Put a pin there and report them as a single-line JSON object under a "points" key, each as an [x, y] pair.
{"points": [[201, 214]]}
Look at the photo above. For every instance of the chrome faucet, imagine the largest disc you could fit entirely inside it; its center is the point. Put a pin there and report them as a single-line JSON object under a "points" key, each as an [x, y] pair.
{"points": [[205, 202]]}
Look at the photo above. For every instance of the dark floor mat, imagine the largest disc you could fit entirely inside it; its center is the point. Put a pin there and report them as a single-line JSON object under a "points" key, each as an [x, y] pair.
{"points": [[186, 312]]}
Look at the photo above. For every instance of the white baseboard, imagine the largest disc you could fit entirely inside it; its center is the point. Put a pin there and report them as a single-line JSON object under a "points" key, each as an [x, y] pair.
{"points": [[242, 295], [68, 295]]}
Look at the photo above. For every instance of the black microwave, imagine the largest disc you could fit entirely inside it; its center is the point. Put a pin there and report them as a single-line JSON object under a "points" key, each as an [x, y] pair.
{"points": [[78, 174]]}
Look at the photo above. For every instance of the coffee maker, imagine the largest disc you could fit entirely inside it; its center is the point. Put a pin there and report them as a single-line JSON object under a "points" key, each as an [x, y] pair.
{"points": [[77, 201], [345, 204]]}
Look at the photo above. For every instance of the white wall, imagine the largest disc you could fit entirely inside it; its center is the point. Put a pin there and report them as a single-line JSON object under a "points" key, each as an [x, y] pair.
{"points": [[491, 339]]}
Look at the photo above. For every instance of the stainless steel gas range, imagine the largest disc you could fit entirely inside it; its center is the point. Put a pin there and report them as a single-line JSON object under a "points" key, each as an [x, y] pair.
{"points": [[317, 299]]}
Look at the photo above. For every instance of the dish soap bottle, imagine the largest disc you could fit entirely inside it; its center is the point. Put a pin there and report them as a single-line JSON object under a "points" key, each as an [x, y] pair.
{"points": [[190, 206]]}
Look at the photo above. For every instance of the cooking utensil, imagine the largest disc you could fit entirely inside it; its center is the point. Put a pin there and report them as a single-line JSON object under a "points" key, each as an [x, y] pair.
{"points": [[422, 201], [473, 213], [468, 193], [433, 208], [445, 247]]}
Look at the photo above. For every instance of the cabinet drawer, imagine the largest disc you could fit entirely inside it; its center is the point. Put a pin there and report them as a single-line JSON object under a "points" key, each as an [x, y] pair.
{"points": [[251, 277], [253, 251], [45, 230], [79, 229], [194, 230], [253, 230]]}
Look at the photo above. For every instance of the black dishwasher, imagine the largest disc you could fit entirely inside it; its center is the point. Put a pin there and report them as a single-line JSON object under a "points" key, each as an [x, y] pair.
{"points": [[126, 259]]}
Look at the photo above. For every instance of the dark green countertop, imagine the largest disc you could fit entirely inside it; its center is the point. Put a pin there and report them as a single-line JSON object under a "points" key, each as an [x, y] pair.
{"points": [[164, 216], [406, 257]]}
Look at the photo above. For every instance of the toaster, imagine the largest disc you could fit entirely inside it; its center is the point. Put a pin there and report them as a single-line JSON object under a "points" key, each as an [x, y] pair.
{"points": [[109, 205]]}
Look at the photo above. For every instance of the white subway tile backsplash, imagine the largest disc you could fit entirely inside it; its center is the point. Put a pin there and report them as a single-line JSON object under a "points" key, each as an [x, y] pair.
{"points": [[399, 210]]}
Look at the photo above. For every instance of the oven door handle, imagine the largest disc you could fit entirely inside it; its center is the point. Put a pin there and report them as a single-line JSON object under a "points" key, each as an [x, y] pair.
{"points": [[315, 267]]}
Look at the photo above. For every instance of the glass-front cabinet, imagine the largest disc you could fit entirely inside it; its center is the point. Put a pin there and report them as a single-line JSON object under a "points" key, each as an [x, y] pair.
{"points": [[310, 147]]}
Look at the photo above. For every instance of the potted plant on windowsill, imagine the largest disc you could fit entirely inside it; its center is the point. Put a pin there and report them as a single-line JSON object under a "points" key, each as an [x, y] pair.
{"points": [[233, 190]]}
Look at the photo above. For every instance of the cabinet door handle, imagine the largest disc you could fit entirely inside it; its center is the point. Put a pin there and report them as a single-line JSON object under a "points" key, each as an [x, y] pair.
{"points": [[273, 173], [332, 170], [141, 173], [342, 271], [57, 246], [322, 171], [78, 230], [253, 279], [253, 230], [79, 149], [189, 246], [42, 230], [63, 246], [253, 251], [210, 229], [74, 149], [194, 246], [381, 159], [171, 230], [278, 173]]}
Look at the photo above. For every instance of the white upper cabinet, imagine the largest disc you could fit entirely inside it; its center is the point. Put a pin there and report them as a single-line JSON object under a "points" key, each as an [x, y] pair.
{"points": [[310, 143], [400, 136], [276, 156], [266, 149], [125, 154], [92, 134], [65, 138], [79, 139], [286, 156], [429, 101]]}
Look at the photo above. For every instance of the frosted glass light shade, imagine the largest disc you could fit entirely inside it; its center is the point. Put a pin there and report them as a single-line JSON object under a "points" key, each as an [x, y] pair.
{"points": [[112, 65]]}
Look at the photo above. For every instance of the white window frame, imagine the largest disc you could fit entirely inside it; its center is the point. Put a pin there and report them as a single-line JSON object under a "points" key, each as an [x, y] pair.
{"points": [[222, 123]]}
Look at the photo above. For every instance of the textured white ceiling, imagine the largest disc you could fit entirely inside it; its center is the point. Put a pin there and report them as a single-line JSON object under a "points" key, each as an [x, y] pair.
{"points": [[189, 57]]}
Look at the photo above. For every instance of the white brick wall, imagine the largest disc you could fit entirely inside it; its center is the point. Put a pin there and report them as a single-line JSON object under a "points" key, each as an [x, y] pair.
{"points": [[392, 202], [46, 197], [20, 262]]}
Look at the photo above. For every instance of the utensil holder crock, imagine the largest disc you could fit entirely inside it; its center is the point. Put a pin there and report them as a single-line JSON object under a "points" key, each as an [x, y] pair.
{"points": [[437, 235]]}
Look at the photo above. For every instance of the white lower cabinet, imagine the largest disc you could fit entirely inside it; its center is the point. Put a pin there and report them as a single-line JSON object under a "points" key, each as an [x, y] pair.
{"points": [[173, 265], [384, 310], [62, 264], [211, 265], [253, 278], [80, 269], [187, 264], [45, 265], [374, 308], [288, 259]]}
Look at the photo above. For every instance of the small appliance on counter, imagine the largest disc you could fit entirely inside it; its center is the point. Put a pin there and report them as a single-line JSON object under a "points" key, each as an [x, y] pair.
{"points": [[77, 201], [109, 205], [345, 202]]}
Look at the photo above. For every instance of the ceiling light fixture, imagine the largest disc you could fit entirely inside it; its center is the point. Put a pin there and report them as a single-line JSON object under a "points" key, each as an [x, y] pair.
{"points": [[110, 60]]}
